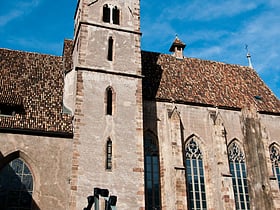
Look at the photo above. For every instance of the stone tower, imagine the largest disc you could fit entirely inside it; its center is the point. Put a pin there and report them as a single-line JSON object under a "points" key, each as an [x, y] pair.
{"points": [[104, 93]]}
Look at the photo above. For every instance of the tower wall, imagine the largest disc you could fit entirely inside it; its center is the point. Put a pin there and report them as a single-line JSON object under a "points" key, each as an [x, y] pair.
{"points": [[95, 73]]}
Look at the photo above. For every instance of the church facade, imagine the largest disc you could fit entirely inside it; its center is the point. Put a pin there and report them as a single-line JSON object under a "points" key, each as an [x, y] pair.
{"points": [[107, 124]]}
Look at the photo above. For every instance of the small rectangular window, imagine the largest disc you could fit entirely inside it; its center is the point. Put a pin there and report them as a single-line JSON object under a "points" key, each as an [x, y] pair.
{"points": [[109, 155]]}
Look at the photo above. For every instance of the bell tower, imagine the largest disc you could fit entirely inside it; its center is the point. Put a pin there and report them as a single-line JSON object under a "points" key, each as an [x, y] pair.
{"points": [[107, 36], [104, 93]]}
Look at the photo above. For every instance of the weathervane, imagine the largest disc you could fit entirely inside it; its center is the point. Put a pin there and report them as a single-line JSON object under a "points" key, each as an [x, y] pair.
{"points": [[248, 56]]}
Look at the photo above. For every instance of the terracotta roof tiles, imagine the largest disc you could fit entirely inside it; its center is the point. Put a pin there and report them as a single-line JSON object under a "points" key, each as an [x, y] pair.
{"points": [[196, 81], [34, 81]]}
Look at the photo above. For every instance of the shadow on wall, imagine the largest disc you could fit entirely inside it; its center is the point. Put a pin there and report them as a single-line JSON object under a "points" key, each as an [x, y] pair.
{"points": [[16, 184], [152, 77]]}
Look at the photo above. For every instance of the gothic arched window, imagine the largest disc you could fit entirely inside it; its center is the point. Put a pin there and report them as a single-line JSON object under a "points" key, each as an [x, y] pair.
{"points": [[275, 160], [195, 176], [152, 175], [106, 13], [116, 16], [16, 186], [239, 177], [111, 14]]}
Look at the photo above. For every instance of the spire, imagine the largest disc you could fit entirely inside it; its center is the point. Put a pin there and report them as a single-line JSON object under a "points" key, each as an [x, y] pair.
{"points": [[248, 56], [177, 48]]}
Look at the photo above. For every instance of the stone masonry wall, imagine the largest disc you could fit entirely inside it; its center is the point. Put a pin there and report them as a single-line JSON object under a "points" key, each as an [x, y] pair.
{"points": [[49, 160], [215, 129]]}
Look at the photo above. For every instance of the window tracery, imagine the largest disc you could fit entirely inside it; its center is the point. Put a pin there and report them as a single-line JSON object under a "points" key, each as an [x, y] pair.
{"points": [[275, 160], [195, 176], [239, 176], [16, 186]]}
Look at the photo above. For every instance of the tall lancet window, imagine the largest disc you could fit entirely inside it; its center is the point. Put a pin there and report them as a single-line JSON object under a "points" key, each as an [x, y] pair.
{"points": [[109, 154], [152, 175], [239, 176], [16, 186], [195, 176], [110, 49], [275, 159], [106, 13], [116, 15], [109, 101]]}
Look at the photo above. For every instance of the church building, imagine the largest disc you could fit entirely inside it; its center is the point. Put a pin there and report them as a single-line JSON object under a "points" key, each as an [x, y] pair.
{"points": [[110, 126]]}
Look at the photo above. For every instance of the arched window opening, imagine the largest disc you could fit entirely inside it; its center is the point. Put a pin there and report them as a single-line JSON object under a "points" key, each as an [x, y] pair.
{"points": [[275, 160], [106, 13], [109, 154], [109, 101], [239, 177], [195, 176], [116, 16], [16, 186], [152, 174], [111, 14], [110, 49]]}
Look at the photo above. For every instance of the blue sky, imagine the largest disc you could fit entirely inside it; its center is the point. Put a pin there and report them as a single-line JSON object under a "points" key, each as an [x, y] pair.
{"points": [[213, 30]]}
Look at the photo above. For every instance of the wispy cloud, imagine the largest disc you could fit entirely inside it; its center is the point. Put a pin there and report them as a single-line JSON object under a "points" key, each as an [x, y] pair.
{"points": [[18, 9], [218, 30], [208, 10]]}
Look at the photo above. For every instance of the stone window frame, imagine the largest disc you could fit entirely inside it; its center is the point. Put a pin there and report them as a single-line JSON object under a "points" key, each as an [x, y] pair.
{"points": [[237, 167], [195, 176], [111, 14], [274, 153], [152, 171]]}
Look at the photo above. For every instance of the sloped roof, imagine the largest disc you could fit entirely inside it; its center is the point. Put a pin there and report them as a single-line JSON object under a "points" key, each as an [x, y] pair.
{"points": [[210, 83], [34, 81]]}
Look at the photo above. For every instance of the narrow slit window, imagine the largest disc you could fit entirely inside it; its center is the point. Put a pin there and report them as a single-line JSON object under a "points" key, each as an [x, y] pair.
{"points": [[116, 16], [109, 154], [110, 48], [106, 13], [109, 102]]}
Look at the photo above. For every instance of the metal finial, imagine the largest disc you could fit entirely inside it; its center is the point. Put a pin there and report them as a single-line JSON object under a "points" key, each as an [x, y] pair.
{"points": [[248, 56]]}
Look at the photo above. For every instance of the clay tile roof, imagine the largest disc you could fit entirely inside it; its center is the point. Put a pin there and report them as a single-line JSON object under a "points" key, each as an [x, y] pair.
{"points": [[35, 82], [204, 82]]}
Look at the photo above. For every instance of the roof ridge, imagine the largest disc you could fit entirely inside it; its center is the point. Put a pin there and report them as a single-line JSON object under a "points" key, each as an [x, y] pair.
{"points": [[29, 52]]}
